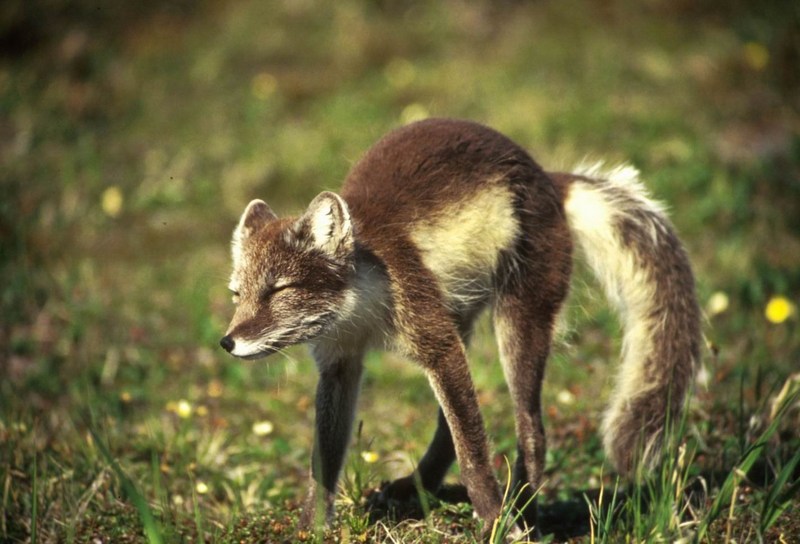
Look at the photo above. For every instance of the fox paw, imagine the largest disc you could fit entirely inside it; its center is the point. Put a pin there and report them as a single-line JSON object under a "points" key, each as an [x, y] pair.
{"points": [[397, 500]]}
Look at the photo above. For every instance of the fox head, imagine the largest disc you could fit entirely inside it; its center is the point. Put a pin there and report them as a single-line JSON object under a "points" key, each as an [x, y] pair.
{"points": [[291, 277]]}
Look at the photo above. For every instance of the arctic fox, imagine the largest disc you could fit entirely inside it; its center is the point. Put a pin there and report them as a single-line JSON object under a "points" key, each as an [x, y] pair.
{"points": [[438, 221]]}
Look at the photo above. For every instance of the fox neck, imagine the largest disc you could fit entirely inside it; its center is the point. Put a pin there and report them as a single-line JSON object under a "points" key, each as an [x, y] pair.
{"points": [[365, 317]]}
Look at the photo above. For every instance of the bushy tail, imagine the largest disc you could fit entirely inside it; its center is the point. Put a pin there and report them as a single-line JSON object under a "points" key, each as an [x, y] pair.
{"points": [[634, 251]]}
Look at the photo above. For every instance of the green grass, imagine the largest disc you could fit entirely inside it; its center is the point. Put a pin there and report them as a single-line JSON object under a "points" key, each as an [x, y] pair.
{"points": [[132, 137]]}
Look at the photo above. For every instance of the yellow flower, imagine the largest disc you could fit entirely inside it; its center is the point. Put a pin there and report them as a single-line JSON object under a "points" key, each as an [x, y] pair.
{"points": [[111, 201], [779, 309], [201, 488], [370, 456], [718, 303], [183, 409], [565, 397], [263, 428], [414, 112]]}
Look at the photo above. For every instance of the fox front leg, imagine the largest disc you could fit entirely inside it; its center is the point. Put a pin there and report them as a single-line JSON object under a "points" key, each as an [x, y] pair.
{"points": [[337, 393], [452, 385]]}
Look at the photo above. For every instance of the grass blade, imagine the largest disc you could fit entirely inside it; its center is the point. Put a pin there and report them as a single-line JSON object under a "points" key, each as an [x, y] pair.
{"points": [[151, 529], [739, 472], [779, 497], [35, 503]]}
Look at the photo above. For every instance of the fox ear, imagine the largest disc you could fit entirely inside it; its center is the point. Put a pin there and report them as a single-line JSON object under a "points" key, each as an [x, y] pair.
{"points": [[327, 223], [255, 215]]}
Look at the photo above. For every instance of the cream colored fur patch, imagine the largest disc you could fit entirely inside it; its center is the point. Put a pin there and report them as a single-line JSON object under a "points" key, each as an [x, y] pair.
{"points": [[461, 245]]}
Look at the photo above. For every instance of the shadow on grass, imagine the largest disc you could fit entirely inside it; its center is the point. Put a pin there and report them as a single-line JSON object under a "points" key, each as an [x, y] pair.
{"points": [[564, 519], [571, 518]]}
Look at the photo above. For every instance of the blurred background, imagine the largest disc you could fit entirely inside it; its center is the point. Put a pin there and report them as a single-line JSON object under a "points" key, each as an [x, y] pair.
{"points": [[132, 134]]}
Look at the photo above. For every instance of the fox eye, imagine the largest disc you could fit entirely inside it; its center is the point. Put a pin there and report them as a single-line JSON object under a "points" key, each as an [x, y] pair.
{"points": [[277, 288]]}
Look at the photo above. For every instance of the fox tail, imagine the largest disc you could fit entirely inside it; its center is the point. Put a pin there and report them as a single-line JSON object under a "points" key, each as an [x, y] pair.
{"points": [[632, 248]]}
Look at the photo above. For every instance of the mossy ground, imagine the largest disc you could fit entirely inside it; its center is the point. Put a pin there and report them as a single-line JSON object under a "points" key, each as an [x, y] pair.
{"points": [[131, 137]]}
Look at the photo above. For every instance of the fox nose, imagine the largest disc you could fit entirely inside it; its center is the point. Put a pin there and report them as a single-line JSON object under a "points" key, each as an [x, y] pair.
{"points": [[227, 343]]}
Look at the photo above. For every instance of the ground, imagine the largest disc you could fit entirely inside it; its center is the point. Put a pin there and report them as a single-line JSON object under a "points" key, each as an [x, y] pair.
{"points": [[132, 137]]}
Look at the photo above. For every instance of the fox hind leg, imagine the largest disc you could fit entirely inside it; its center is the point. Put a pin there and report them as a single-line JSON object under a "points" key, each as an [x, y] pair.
{"points": [[438, 458], [428, 475], [524, 332]]}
